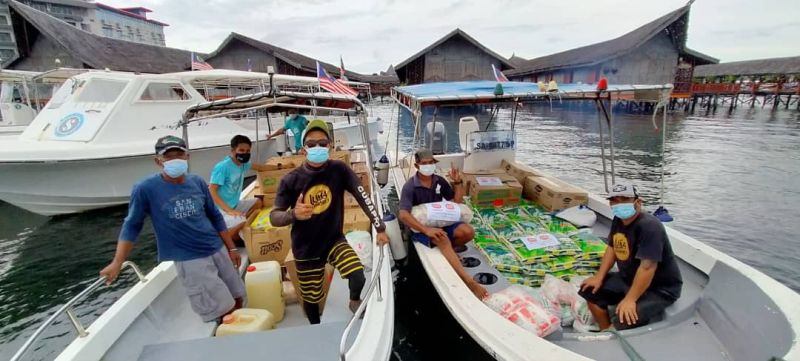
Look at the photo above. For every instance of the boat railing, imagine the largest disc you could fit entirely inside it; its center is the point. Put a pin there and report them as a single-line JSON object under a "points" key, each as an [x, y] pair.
{"points": [[67, 308]]}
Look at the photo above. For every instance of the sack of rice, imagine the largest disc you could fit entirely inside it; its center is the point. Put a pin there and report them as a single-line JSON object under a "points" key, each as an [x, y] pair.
{"points": [[441, 214], [516, 305]]}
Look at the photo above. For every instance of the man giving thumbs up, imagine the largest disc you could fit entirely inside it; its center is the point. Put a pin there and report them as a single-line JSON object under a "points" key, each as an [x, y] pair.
{"points": [[315, 193]]}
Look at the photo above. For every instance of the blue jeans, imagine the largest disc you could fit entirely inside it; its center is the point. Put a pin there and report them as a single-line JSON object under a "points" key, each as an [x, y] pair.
{"points": [[450, 230]]}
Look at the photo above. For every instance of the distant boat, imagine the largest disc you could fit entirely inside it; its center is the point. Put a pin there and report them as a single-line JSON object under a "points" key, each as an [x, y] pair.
{"points": [[727, 309], [94, 138]]}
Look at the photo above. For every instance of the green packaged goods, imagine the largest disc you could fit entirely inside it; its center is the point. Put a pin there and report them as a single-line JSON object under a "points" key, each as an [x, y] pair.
{"points": [[560, 263], [567, 247], [565, 274], [585, 271], [559, 226], [500, 256], [588, 263], [531, 226], [507, 231], [481, 238], [591, 246], [518, 279]]}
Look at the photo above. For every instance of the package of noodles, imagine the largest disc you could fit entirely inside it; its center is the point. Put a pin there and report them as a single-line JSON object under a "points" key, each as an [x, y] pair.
{"points": [[591, 246], [560, 263]]}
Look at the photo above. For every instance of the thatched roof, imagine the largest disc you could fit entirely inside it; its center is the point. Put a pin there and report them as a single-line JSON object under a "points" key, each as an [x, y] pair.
{"points": [[505, 64], [675, 23], [788, 65], [294, 59], [96, 51]]}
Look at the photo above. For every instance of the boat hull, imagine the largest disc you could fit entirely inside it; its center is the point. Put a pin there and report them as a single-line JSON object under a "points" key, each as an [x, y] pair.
{"points": [[65, 187]]}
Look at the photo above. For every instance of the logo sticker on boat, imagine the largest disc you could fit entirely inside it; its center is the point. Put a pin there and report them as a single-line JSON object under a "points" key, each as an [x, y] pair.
{"points": [[69, 124]]}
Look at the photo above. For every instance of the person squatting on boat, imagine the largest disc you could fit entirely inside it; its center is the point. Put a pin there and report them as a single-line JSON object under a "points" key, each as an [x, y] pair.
{"points": [[648, 279], [296, 124], [227, 180], [311, 198], [427, 187], [189, 230]]}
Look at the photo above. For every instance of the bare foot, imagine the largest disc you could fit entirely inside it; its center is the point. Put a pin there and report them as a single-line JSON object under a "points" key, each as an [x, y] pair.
{"points": [[354, 304], [478, 290]]}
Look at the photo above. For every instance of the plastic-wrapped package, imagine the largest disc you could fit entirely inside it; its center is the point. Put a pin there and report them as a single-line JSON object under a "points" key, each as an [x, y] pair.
{"points": [[580, 309], [589, 263], [592, 247], [420, 212], [583, 271], [522, 279], [567, 247], [565, 275], [519, 307], [560, 263], [558, 290]]}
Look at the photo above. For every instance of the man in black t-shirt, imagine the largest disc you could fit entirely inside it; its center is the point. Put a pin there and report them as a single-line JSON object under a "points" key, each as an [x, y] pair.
{"points": [[311, 198], [648, 279]]}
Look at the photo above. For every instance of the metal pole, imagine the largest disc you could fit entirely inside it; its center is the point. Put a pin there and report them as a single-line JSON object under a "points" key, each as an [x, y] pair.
{"points": [[602, 142], [611, 136], [397, 140], [663, 152]]}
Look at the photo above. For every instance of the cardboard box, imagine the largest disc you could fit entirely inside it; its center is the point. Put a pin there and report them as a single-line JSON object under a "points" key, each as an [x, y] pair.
{"points": [[507, 188], [519, 171], [269, 180], [268, 199], [553, 194], [291, 161], [360, 221], [358, 157], [343, 155], [350, 201], [291, 270], [270, 245]]}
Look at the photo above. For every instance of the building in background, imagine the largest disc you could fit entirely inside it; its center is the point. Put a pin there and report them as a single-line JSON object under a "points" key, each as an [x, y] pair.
{"points": [[456, 56], [129, 24], [44, 42], [655, 53]]}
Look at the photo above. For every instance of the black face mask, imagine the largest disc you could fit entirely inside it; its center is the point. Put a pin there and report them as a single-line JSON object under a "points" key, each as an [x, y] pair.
{"points": [[243, 157]]}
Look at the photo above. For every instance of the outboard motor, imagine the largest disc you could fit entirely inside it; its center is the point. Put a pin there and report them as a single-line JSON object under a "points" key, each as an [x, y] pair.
{"points": [[382, 166], [395, 236], [436, 131]]}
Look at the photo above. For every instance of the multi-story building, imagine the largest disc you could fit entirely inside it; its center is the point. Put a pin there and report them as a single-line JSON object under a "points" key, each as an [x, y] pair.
{"points": [[129, 24]]}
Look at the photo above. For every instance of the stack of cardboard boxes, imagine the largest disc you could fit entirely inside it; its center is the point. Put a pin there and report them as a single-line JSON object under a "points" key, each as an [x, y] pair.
{"points": [[493, 187], [551, 193], [354, 217]]}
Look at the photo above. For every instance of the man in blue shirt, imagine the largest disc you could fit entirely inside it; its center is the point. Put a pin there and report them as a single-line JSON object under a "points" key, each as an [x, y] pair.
{"points": [[189, 230], [227, 179], [296, 124]]}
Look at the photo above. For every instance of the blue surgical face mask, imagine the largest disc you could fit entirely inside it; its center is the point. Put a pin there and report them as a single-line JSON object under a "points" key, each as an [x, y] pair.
{"points": [[623, 210], [317, 154], [176, 168], [427, 169]]}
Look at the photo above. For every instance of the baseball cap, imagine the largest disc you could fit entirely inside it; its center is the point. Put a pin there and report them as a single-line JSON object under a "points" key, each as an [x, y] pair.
{"points": [[424, 153], [168, 142], [317, 124], [627, 190]]}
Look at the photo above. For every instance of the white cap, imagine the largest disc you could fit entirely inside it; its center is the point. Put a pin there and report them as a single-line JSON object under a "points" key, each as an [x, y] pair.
{"points": [[627, 190]]}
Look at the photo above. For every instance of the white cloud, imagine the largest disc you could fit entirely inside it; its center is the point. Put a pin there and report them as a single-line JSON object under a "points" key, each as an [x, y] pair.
{"points": [[372, 35]]}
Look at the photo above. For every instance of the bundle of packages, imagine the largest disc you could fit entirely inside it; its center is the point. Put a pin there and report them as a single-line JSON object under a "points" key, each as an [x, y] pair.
{"points": [[541, 247], [574, 310], [592, 247], [503, 260], [519, 307]]}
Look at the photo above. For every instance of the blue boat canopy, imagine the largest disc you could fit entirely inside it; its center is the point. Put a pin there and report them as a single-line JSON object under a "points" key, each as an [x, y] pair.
{"points": [[483, 91]]}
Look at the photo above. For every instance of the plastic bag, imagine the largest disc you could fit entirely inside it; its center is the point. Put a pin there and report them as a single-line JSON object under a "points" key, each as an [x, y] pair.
{"points": [[420, 212], [584, 321], [592, 247], [558, 290], [261, 222], [519, 307]]}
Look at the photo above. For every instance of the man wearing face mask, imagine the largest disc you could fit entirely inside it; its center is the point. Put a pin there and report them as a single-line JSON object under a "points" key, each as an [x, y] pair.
{"points": [[227, 180], [648, 279], [311, 199], [189, 230], [296, 123], [427, 187]]}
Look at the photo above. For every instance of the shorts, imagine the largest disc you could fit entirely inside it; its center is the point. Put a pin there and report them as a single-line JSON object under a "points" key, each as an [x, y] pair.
{"points": [[450, 230], [212, 283], [244, 207], [311, 272], [650, 305]]}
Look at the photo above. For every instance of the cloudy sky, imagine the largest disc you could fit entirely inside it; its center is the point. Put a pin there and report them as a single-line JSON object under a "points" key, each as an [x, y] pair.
{"points": [[370, 35]]}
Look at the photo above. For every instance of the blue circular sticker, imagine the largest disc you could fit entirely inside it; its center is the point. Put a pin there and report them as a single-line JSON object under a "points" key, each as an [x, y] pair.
{"points": [[69, 124]]}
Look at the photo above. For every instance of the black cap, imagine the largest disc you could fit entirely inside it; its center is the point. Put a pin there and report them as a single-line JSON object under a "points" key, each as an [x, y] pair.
{"points": [[166, 143], [422, 154]]}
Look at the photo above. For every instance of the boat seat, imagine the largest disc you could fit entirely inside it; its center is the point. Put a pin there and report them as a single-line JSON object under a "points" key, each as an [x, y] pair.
{"points": [[288, 344]]}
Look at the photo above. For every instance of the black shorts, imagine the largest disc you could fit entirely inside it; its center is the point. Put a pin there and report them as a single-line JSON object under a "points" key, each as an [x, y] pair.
{"points": [[650, 305]]}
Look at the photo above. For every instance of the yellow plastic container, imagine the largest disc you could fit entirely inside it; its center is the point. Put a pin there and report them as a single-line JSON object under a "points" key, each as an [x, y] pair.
{"points": [[264, 288], [246, 320]]}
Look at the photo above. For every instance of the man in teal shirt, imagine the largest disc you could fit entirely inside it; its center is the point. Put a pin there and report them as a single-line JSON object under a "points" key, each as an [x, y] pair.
{"points": [[296, 124]]}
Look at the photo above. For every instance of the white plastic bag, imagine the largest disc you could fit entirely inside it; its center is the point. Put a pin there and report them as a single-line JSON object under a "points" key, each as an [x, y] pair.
{"points": [[420, 212], [361, 242], [580, 309], [519, 307]]}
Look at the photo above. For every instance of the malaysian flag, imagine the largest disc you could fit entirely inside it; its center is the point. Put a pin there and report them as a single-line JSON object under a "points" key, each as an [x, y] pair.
{"points": [[341, 69], [330, 83], [199, 64], [498, 75]]}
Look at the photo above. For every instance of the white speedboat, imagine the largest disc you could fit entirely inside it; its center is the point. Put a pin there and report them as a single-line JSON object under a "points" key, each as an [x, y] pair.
{"points": [[95, 137], [727, 310], [154, 321]]}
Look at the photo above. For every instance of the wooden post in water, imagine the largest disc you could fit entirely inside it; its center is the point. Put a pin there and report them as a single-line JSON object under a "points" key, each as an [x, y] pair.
{"points": [[694, 102], [788, 100]]}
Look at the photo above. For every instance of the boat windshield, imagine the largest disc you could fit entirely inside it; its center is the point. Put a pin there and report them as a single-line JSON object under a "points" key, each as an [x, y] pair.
{"points": [[100, 91]]}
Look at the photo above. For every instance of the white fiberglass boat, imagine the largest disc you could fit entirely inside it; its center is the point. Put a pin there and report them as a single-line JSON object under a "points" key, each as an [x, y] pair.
{"points": [[95, 137], [727, 309], [154, 321]]}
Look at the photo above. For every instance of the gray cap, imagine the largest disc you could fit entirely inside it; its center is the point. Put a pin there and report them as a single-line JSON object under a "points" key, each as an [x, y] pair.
{"points": [[424, 153], [168, 142], [627, 190]]}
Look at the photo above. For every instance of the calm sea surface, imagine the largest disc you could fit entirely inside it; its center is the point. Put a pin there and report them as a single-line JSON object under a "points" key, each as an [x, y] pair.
{"points": [[731, 181]]}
